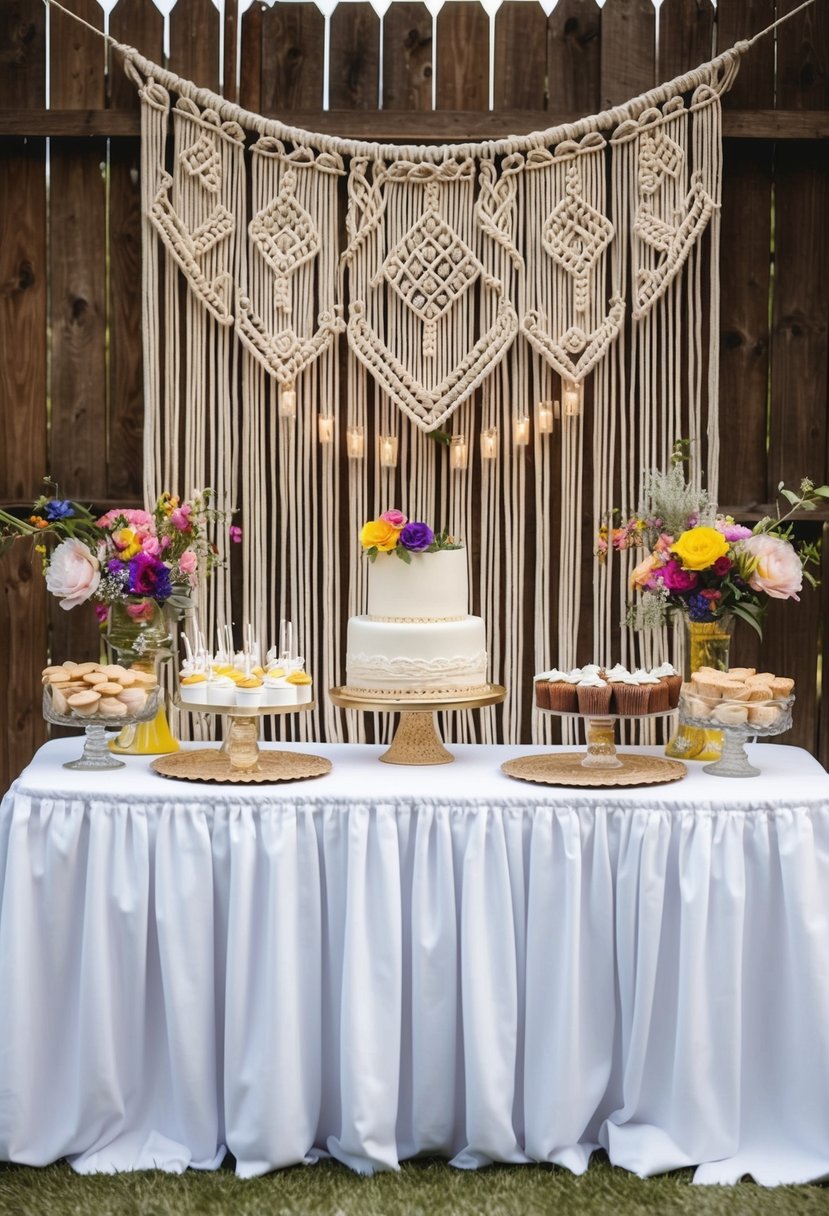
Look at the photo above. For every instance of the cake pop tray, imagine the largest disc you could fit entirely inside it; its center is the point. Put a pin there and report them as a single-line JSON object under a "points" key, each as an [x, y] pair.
{"points": [[566, 768], [242, 711]]}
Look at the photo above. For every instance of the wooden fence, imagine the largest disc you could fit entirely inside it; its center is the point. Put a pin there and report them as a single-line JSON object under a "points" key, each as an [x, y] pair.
{"points": [[70, 304]]}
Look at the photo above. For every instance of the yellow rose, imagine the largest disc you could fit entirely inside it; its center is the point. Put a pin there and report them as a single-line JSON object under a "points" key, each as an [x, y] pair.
{"points": [[699, 548], [127, 542], [379, 534]]}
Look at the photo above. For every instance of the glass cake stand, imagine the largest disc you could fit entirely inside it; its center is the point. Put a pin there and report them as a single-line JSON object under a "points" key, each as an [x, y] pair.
{"points": [[239, 757], [96, 753], [600, 763], [734, 761], [416, 740]]}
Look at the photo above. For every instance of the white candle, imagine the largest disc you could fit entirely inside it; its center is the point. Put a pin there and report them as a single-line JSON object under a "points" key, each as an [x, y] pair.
{"points": [[545, 417], [458, 452], [572, 398], [521, 431], [354, 442], [287, 401], [388, 451], [489, 443], [326, 428]]}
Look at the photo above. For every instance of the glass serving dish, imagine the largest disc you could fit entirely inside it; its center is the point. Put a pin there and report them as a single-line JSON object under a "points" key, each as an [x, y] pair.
{"points": [[96, 753], [770, 718]]}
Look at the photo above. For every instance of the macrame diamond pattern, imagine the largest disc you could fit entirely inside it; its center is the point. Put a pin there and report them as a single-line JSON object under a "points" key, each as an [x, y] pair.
{"points": [[576, 234], [202, 160], [430, 269], [285, 235], [658, 155]]}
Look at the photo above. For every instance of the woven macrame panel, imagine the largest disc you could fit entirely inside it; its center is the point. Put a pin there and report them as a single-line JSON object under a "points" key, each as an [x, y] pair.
{"points": [[319, 313]]}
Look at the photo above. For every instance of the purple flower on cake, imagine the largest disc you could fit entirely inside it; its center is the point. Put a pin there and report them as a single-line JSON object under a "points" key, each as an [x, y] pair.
{"points": [[417, 537]]}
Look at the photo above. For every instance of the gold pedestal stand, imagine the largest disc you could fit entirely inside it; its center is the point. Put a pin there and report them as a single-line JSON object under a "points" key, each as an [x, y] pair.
{"points": [[416, 740], [239, 758]]}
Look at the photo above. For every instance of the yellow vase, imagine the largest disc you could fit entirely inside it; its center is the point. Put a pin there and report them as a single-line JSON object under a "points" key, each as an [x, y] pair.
{"points": [[138, 635], [707, 645]]}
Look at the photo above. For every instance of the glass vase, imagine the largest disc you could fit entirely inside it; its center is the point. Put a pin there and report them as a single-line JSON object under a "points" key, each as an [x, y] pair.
{"points": [[707, 644], [138, 635]]}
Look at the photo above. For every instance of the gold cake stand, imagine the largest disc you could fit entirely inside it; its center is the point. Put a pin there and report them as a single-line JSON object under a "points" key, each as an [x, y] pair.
{"points": [[416, 740], [239, 758]]}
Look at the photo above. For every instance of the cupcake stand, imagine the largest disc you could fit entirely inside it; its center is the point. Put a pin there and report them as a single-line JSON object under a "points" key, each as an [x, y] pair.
{"points": [[416, 740], [239, 758], [600, 764]]}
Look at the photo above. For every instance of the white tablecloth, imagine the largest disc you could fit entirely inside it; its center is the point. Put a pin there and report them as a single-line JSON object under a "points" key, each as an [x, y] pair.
{"points": [[390, 961]]}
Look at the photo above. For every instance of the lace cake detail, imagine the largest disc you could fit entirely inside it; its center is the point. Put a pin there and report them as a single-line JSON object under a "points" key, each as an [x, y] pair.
{"points": [[464, 693], [374, 664], [417, 620]]}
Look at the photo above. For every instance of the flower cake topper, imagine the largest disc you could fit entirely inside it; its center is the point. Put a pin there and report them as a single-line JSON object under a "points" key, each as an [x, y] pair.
{"points": [[393, 532], [703, 563]]}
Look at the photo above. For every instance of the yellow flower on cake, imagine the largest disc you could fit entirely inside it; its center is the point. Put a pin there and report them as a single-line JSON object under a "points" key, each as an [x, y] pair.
{"points": [[699, 547], [379, 534]]}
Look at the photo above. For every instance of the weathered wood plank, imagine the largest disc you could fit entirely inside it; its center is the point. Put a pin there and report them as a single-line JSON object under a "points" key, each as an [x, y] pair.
{"points": [[250, 67], [77, 281], [230, 87], [293, 42], [686, 36], [136, 23], [408, 44], [754, 86], [803, 58], [462, 63], [194, 42], [628, 50], [520, 56], [354, 61], [23, 616], [574, 57]]}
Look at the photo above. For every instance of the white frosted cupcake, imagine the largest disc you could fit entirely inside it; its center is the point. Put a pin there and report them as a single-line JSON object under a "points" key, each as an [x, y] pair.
{"points": [[221, 690], [192, 689], [301, 683], [250, 692], [277, 689]]}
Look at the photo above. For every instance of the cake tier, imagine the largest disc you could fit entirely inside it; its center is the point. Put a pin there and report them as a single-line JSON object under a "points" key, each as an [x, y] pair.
{"points": [[434, 587], [401, 659]]}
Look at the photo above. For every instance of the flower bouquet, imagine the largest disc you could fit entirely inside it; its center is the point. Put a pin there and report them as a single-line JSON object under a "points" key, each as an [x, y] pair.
{"points": [[393, 533], [133, 566], [702, 563]]}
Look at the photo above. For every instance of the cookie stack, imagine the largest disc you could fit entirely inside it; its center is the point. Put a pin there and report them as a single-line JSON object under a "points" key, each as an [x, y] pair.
{"points": [[97, 690], [738, 696]]}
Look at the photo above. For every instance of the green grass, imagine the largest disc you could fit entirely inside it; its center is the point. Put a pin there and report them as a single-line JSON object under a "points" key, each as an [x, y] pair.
{"points": [[422, 1188]]}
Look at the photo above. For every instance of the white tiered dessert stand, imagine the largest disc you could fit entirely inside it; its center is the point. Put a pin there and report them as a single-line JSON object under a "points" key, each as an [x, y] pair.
{"points": [[416, 740]]}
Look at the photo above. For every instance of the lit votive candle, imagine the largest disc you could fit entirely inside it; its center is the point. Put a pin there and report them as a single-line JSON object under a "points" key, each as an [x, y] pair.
{"points": [[388, 451], [489, 443], [521, 431], [326, 428], [458, 452], [287, 401], [572, 397], [545, 417], [354, 442]]}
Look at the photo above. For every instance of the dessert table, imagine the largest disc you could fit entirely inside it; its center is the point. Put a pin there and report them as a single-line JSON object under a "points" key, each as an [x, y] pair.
{"points": [[386, 962]]}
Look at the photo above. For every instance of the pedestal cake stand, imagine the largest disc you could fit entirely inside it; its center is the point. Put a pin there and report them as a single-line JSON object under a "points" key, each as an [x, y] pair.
{"points": [[416, 740], [600, 764], [239, 757]]}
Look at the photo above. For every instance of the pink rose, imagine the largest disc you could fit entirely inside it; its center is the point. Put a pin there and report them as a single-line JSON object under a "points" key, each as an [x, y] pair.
{"points": [[189, 565], [396, 518], [180, 517], [677, 579], [151, 546], [73, 574], [772, 567]]}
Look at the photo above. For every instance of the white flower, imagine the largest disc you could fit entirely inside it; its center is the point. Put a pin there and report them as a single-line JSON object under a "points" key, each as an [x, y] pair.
{"points": [[73, 574]]}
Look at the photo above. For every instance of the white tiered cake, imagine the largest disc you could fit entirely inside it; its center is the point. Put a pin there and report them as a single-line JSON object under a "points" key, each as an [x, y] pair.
{"points": [[417, 639]]}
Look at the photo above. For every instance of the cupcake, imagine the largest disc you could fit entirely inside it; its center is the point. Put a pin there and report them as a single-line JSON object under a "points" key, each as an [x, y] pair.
{"points": [[593, 695], [301, 682], [250, 692], [541, 686], [669, 676], [220, 690], [630, 697], [562, 694], [193, 688]]}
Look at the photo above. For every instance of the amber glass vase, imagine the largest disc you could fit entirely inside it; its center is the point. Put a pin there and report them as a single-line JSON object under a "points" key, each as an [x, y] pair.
{"points": [[138, 635], [707, 644]]}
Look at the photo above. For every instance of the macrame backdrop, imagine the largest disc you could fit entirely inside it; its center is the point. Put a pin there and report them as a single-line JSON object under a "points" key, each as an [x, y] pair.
{"points": [[412, 290]]}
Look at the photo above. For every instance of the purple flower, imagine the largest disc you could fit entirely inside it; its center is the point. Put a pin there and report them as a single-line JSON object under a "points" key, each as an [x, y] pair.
{"points": [[677, 579], [416, 537], [734, 532], [700, 607], [57, 509], [149, 576], [235, 534], [115, 565]]}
